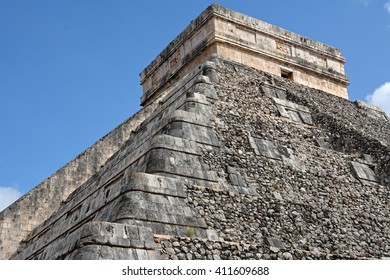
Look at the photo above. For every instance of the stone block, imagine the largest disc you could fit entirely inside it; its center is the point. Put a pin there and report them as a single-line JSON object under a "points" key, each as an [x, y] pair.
{"points": [[306, 117], [283, 112], [293, 111], [150, 244], [106, 253], [277, 196], [203, 79], [235, 177], [231, 169], [126, 254], [275, 241], [212, 235], [155, 184], [90, 252], [253, 144], [274, 151], [122, 242], [137, 244], [141, 254], [145, 233], [90, 229], [210, 70], [368, 158], [154, 255], [204, 86], [132, 232], [195, 107], [173, 142], [273, 91], [363, 171], [321, 142], [107, 229], [192, 96], [186, 165], [294, 116], [192, 131], [188, 211]]}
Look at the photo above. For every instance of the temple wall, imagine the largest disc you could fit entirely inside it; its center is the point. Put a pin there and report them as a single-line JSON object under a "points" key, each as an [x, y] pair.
{"points": [[251, 42]]}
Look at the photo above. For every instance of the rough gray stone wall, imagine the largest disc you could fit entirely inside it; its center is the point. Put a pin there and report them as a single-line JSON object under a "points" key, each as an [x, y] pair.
{"points": [[325, 209], [322, 209], [237, 164]]}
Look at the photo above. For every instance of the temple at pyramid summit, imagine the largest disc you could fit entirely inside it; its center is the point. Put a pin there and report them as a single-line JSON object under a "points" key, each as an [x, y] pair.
{"points": [[240, 38], [246, 147]]}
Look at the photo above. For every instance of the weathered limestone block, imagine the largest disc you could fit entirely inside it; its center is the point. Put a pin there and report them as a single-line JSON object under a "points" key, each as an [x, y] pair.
{"points": [[292, 111], [89, 252], [275, 242], [154, 184], [198, 133], [194, 118], [165, 141], [204, 86], [197, 103], [193, 96], [273, 91], [363, 171], [210, 70], [213, 235], [270, 149], [274, 151], [235, 177], [163, 161], [155, 208], [323, 143]]}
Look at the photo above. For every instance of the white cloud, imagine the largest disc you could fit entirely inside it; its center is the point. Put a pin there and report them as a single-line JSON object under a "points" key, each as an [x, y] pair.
{"points": [[387, 7], [7, 196], [381, 97]]}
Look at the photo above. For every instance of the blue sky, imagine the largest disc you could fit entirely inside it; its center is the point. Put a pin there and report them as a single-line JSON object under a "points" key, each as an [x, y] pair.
{"points": [[69, 69]]}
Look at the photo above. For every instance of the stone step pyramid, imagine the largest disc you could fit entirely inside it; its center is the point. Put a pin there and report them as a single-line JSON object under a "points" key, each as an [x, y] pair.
{"points": [[246, 148]]}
